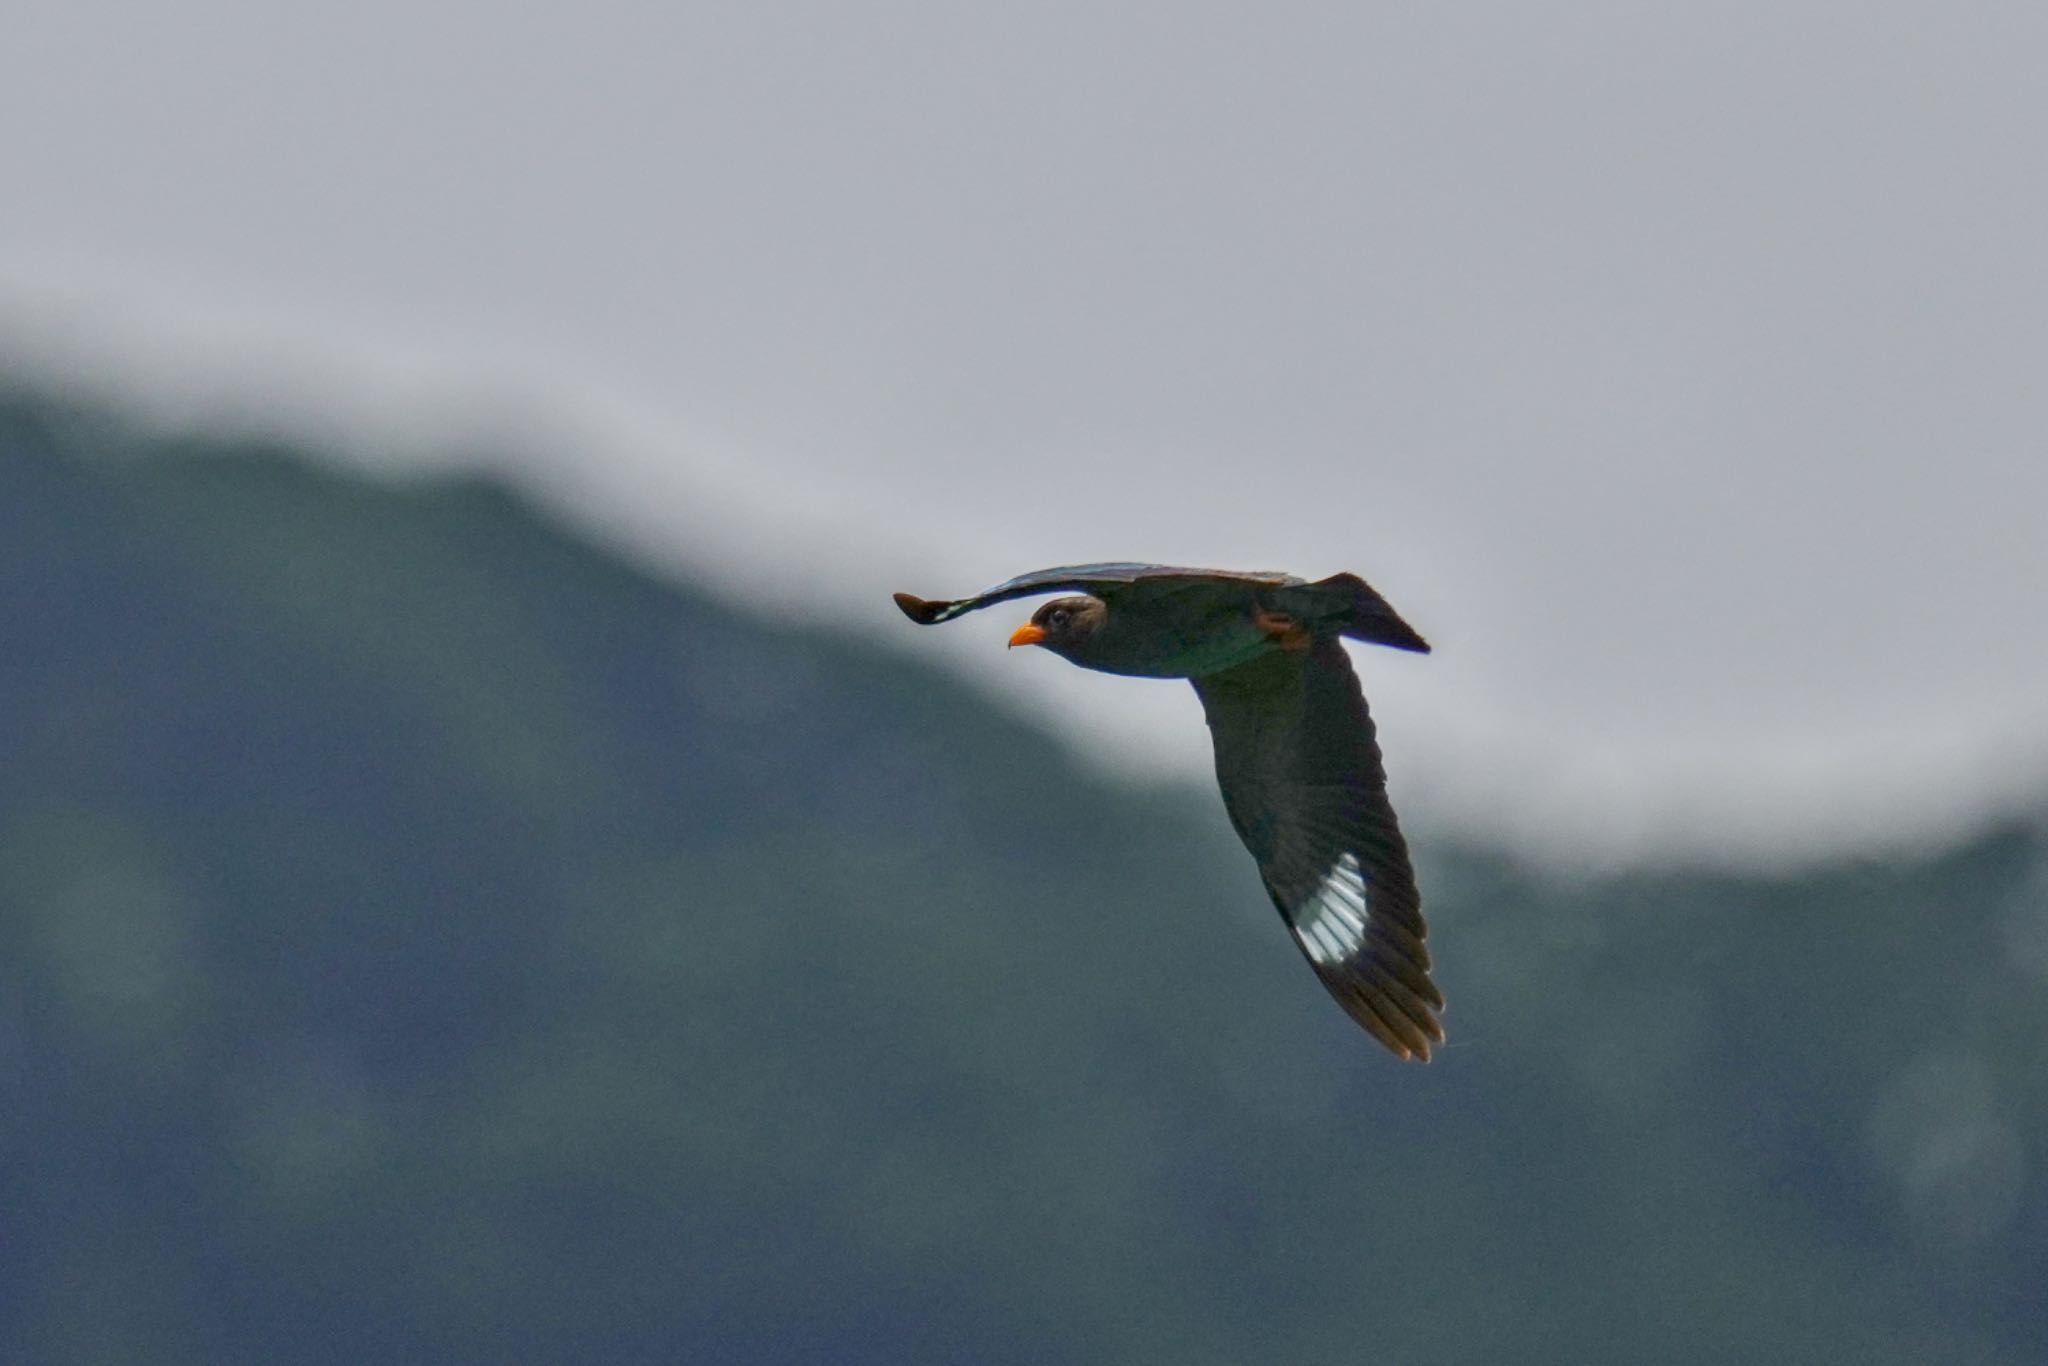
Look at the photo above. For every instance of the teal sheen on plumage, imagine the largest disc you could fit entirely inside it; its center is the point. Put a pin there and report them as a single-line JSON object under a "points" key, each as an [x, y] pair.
{"points": [[1296, 755]]}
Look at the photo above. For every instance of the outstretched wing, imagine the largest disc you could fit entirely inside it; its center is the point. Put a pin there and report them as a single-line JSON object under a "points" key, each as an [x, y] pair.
{"points": [[1303, 783], [1076, 578]]}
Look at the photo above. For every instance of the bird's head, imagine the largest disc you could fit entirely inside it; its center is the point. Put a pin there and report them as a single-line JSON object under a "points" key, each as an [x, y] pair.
{"points": [[1065, 626]]}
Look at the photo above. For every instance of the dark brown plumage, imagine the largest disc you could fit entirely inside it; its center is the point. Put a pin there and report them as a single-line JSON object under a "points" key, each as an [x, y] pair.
{"points": [[1296, 754]]}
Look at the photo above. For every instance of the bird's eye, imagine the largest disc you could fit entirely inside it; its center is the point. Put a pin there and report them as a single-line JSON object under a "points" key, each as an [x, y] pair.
{"points": [[1058, 619]]}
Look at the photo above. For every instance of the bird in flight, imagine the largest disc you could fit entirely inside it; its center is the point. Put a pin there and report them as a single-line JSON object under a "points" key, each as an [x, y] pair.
{"points": [[1296, 755]]}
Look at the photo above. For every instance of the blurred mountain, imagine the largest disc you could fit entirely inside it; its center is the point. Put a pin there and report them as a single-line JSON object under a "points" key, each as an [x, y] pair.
{"points": [[424, 937]]}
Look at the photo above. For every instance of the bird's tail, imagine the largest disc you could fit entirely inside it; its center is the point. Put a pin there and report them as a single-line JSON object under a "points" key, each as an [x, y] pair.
{"points": [[1348, 604]]}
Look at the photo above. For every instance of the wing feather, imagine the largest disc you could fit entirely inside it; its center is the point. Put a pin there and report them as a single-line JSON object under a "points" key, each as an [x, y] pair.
{"points": [[1096, 579], [1302, 779]]}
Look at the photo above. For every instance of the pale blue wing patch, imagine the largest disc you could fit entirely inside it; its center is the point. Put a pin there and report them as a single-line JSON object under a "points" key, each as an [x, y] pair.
{"points": [[1330, 923], [1075, 576], [1080, 578]]}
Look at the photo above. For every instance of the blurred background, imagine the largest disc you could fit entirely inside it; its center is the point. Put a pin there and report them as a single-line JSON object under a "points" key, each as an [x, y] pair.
{"points": [[485, 874]]}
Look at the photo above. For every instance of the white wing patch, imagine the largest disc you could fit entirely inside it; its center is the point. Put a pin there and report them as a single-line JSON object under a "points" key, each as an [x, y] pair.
{"points": [[1331, 923]]}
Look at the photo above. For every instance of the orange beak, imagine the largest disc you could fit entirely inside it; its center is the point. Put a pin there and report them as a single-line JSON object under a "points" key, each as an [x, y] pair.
{"points": [[1027, 634]]}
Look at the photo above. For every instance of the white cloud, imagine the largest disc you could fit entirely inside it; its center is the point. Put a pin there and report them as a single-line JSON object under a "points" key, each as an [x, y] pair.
{"points": [[1676, 370]]}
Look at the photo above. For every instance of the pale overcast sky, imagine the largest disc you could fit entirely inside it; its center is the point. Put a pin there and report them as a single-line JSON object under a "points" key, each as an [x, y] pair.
{"points": [[1678, 369]]}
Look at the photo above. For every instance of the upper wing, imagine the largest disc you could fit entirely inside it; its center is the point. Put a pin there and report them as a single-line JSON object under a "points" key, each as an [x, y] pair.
{"points": [[1303, 783], [1080, 578]]}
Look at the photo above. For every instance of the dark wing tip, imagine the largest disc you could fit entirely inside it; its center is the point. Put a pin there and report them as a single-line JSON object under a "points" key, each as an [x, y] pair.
{"points": [[1407, 1027], [923, 611]]}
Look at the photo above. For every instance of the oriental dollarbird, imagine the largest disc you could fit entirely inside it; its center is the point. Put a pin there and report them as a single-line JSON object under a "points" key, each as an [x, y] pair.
{"points": [[1295, 752]]}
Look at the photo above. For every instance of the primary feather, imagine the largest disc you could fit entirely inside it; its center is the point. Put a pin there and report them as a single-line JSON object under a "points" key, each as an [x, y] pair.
{"points": [[1297, 757]]}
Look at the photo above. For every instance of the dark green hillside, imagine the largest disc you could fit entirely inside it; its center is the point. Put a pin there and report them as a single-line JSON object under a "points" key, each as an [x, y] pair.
{"points": [[425, 938]]}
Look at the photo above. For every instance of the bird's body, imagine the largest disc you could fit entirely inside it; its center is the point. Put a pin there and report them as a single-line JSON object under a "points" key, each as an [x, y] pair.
{"points": [[1296, 754], [1163, 633]]}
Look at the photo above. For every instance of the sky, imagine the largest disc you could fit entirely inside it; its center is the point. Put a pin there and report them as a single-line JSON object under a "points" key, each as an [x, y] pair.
{"points": [[1677, 369]]}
